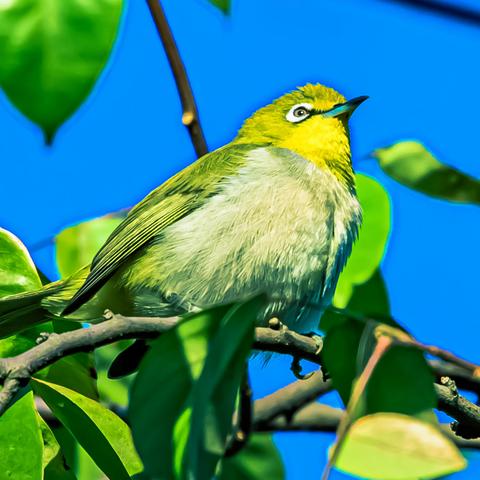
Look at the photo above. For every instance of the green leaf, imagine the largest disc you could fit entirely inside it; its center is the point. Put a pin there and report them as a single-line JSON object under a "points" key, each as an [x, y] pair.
{"points": [[213, 396], [17, 271], [53, 461], [371, 298], [259, 459], [206, 355], [223, 5], [21, 440], [76, 372], [113, 391], [392, 387], [17, 274], [52, 54], [397, 447], [368, 251], [104, 436], [411, 164], [77, 245]]}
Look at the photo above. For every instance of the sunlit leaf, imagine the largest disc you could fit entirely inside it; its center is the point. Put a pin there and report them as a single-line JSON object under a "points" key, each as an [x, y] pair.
{"points": [[369, 249], [206, 355], [77, 245], [259, 459], [411, 164], [21, 440], [52, 54], [388, 446], [17, 271], [105, 437]]}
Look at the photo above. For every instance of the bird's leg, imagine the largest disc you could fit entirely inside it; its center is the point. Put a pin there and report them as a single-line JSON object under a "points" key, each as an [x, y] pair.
{"points": [[296, 368]]}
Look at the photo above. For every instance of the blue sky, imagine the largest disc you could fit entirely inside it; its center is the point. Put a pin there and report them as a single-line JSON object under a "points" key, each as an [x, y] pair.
{"points": [[420, 70]]}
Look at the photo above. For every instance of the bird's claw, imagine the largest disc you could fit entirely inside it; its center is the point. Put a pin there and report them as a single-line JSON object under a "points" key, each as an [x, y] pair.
{"points": [[296, 368]]}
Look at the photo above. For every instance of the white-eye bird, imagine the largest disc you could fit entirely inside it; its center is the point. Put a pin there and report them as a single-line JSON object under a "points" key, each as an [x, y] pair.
{"points": [[273, 211]]}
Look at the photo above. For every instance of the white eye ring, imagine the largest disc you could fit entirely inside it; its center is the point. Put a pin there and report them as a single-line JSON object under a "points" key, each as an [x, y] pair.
{"points": [[299, 112]]}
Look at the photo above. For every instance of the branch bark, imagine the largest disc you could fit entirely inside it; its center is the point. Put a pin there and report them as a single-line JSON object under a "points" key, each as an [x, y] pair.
{"points": [[17, 371], [190, 117]]}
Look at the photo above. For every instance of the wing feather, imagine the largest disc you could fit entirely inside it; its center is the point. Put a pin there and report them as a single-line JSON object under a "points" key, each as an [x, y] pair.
{"points": [[175, 199]]}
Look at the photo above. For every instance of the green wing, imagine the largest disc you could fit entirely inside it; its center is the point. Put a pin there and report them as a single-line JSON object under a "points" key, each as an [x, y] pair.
{"points": [[176, 198]]}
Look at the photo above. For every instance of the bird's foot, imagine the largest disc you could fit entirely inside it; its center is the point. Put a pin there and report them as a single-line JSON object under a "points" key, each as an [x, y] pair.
{"points": [[317, 339], [44, 336], [275, 324], [296, 369]]}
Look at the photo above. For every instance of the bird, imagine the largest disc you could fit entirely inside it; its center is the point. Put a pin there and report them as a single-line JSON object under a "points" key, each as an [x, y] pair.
{"points": [[273, 211]]}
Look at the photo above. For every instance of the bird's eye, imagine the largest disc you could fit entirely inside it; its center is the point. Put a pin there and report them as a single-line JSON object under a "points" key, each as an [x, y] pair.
{"points": [[299, 112]]}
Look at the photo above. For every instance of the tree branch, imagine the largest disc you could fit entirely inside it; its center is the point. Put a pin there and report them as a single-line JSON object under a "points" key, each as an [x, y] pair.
{"points": [[285, 402], [317, 417], [17, 371], [190, 117]]}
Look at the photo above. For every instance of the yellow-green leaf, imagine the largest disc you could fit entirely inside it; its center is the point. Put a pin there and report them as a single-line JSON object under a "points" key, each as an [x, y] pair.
{"points": [[105, 437], [21, 456], [77, 245], [17, 271], [370, 247], [52, 52], [392, 446], [411, 164]]}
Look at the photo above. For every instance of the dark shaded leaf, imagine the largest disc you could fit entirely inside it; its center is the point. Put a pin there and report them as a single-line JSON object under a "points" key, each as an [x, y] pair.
{"points": [[54, 464], [204, 360], [259, 459], [21, 440], [101, 433], [52, 54], [371, 298], [411, 164], [223, 5]]}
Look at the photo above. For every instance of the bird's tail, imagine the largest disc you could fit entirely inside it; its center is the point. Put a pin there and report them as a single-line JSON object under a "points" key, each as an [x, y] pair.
{"points": [[24, 310]]}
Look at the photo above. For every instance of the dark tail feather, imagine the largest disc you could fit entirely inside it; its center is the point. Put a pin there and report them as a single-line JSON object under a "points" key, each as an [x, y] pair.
{"points": [[129, 360]]}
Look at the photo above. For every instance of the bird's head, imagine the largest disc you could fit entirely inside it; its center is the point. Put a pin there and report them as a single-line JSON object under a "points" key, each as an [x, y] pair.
{"points": [[311, 121]]}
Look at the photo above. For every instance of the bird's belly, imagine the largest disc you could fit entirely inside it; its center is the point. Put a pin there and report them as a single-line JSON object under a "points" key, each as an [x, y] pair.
{"points": [[273, 238]]}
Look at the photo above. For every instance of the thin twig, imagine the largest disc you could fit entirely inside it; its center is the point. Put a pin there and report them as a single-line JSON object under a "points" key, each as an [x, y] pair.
{"points": [[244, 423], [286, 401], [442, 354], [449, 10], [190, 117], [383, 344], [317, 417]]}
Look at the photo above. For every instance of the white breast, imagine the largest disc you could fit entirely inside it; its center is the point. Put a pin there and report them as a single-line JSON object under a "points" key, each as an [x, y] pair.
{"points": [[282, 226]]}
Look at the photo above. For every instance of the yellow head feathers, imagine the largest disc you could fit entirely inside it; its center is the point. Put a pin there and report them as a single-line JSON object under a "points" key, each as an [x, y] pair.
{"points": [[311, 121]]}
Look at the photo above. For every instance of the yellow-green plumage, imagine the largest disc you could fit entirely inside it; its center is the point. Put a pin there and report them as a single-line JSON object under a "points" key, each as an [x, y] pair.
{"points": [[274, 211]]}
